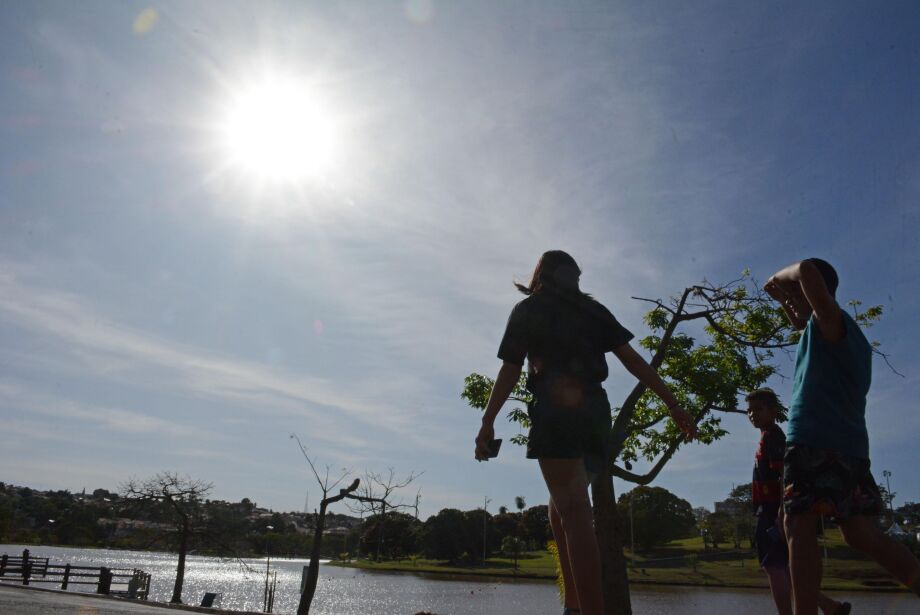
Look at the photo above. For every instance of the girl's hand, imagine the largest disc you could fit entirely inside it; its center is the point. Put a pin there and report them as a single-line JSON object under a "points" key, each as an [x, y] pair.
{"points": [[684, 421], [485, 436]]}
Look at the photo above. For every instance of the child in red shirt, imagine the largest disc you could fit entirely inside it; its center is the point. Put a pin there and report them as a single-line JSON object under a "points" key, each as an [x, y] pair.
{"points": [[767, 497]]}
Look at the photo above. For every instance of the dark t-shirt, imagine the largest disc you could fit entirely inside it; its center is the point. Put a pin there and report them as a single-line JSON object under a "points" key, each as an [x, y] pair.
{"points": [[767, 484], [563, 333]]}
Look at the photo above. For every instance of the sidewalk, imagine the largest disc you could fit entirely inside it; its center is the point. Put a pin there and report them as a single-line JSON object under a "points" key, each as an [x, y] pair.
{"points": [[19, 600]]}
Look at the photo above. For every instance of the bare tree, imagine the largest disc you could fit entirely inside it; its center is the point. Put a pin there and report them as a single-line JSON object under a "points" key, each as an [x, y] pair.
{"points": [[374, 495], [179, 498], [377, 498]]}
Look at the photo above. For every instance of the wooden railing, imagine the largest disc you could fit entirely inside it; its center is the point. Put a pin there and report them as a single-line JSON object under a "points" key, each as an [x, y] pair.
{"points": [[25, 570]]}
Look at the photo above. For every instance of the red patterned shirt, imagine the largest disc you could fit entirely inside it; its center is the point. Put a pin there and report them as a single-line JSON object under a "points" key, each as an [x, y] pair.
{"points": [[768, 470]]}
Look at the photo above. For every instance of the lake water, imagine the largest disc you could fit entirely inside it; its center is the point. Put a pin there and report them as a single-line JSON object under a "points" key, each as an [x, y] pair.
{"points": [[346, 591]]}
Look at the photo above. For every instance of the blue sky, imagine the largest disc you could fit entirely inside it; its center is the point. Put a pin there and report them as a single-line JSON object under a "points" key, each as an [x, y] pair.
{"points": [[165, 305]]}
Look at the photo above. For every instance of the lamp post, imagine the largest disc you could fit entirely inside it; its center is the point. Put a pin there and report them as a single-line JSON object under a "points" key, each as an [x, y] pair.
{"points": [[268, 563]]}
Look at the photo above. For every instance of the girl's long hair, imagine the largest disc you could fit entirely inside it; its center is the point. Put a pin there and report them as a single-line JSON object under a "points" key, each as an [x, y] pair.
{"points": [[555, 270]]}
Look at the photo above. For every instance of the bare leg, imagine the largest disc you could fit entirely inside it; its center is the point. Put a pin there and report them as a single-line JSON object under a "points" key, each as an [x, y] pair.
{"points": [[568, 489], [804, 561], [565, 558], [781, 589], [863, 534]]}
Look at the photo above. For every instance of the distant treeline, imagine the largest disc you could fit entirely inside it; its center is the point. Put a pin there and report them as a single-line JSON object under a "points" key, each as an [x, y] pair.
{"points": [[103, 519]]}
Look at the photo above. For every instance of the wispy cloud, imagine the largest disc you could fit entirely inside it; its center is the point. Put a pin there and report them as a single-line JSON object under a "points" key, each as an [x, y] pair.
{"points": [[19, 400], [115, 350]]}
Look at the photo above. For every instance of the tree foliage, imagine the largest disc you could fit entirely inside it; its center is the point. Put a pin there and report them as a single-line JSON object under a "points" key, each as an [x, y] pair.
{"points": [[451, 534], [401, 537], [658, 516], [717, 527]]}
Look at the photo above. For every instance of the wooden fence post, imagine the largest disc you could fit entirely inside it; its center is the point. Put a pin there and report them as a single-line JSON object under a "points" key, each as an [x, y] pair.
{"points": [[3, 562], [26, 572], [105, 581], [66, 576]]}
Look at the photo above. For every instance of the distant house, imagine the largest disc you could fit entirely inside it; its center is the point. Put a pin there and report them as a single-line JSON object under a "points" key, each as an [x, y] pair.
{"points": [[336, 531]]}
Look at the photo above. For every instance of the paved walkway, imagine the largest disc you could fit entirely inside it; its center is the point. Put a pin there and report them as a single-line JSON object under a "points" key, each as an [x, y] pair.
{"points": [[18, 600]]}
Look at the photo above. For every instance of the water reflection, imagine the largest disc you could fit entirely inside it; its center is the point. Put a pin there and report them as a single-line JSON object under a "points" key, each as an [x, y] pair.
{"points": [[343, 591]]}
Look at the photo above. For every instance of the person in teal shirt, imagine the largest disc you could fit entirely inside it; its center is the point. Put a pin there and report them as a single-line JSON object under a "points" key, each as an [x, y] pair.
{"points": [[826, 464]]}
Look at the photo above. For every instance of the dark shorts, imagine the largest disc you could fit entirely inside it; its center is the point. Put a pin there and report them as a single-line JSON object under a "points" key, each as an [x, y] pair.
{"points": [[828, 483], [772, 551], [563, 430]]}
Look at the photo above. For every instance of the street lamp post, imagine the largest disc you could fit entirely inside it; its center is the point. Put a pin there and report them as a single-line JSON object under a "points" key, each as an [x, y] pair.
{"points": [[268, 564]]}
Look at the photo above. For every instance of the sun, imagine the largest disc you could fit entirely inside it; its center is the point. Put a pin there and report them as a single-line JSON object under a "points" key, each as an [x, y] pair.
{"points": [[277, 130]]}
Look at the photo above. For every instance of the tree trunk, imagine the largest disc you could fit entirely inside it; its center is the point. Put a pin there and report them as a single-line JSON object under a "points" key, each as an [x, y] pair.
{"points": [[609, 530], [180, 568], [306, 598]]}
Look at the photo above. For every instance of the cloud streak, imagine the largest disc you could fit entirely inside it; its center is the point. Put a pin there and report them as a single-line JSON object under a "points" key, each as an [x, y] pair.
{"points": [[115, 350]]}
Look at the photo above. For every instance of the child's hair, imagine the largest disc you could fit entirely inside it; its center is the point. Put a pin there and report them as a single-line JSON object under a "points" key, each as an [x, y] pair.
{"points": [[766, 395], [555, 269], [828, 273]]}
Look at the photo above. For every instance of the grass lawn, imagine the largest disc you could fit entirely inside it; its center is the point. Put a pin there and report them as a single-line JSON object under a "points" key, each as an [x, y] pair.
{"points": [[844, 570]]}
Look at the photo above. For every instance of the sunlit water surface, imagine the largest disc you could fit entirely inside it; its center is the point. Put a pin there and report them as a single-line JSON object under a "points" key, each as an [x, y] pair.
{"points": [[345, 591]]}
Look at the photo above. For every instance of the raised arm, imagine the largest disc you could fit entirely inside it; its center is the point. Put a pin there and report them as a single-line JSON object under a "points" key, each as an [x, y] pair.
{"points": [[507, 377], [799, 283], [639, 367], [791, 299]]}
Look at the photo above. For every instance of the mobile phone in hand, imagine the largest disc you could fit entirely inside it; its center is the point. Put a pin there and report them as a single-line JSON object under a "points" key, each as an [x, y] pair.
{"points": [[494, 445]]}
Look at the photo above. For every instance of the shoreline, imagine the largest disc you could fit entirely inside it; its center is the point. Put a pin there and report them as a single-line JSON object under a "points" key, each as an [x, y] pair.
{"points": [[537, 577]]}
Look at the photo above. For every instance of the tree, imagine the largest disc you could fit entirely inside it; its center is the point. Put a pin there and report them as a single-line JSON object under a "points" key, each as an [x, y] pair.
{"points": [[454, 535], [535, 521], [740, 499], [519, 502], [506, 524], [717, 527], [444, 535], [658, 515], [887, 497], [179, 499], [710, 343], [401, 534], [368, 497], [513, 546]]}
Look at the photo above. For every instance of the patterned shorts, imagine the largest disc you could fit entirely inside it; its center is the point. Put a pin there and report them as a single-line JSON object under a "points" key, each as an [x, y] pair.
{"points": [[828, 483]]}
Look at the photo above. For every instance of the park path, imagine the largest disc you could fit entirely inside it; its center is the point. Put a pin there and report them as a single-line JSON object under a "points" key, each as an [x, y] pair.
{"points": [[17, 600]]}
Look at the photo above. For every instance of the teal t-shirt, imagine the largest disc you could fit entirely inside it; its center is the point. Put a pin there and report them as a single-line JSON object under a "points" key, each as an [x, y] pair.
{"points": [[828, 407]]}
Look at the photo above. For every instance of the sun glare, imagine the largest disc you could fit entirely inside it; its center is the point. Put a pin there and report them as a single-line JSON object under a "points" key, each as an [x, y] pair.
{"points": [[278, 130]]}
